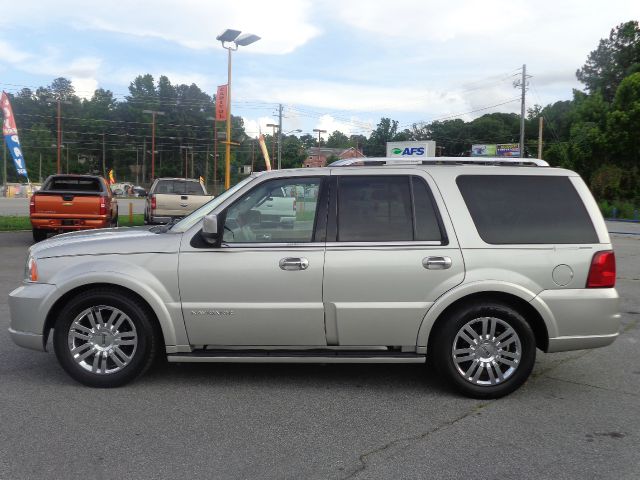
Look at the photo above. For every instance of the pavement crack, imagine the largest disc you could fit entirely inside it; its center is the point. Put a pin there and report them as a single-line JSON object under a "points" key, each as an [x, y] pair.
{"points": [[364, 457], [575, 382]]}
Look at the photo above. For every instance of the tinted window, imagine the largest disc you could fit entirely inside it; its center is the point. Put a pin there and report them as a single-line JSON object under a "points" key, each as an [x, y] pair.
{"points": [[178, 187], [194, 188], [71, 184], [374, 209], [519, 209], [427, 225]]}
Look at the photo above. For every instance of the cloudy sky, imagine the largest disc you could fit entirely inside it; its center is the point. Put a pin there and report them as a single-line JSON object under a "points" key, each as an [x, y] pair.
{"points": [[333, 64]]}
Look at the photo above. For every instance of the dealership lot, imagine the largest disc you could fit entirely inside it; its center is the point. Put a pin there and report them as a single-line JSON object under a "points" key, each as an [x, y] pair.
{"points": [[578, 416]]}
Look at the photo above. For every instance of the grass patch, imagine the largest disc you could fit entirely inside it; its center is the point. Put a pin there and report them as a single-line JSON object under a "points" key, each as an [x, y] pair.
{"points": [[14, 223], [138, 219], [22, 223]]}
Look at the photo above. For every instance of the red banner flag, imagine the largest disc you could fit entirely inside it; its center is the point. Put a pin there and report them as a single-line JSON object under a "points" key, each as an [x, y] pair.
{"points": [[9, 124], [221, 103]]}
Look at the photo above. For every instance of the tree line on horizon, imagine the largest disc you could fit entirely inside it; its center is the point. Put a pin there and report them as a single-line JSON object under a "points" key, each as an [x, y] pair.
{"points": [[596, 133]]}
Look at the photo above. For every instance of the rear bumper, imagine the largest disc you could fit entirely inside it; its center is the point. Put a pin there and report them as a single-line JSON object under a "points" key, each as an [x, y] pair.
{"points": [[76, 223], [584, 318]]}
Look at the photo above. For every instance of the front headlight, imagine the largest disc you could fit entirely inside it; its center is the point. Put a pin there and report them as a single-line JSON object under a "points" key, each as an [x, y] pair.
{"points": [[31, 270]]}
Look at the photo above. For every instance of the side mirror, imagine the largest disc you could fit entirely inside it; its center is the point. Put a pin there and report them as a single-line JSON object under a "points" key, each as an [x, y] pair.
{"points": [[210, 228]]}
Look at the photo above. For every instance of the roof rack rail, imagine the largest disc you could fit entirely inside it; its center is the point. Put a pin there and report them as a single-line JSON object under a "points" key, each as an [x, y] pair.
{"points": [[494, 161]]}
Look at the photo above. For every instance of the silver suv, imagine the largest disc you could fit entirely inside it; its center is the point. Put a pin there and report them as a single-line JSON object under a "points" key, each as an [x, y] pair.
{"points": [[466, 265]]}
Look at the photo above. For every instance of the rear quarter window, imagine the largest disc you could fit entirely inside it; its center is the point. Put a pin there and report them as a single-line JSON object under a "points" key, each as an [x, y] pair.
{"points": [[526, 209]]}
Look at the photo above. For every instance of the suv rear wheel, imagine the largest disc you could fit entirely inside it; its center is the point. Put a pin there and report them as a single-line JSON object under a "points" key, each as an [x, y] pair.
{"points": [[104, 339], [484, 350]]}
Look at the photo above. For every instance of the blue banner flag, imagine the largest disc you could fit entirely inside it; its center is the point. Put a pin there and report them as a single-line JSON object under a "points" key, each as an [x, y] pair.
{"points": [[11, 139]]}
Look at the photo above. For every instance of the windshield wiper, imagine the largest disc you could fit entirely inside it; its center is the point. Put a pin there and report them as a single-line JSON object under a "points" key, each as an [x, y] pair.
{"points": [[166, 227]]}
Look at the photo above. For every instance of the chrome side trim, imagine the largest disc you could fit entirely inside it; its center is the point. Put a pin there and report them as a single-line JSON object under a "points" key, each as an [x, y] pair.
{"points": [[284, 359]]}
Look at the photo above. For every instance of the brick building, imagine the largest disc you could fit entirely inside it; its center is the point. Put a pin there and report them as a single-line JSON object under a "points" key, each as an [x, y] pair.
{"points": [[319, 157]]}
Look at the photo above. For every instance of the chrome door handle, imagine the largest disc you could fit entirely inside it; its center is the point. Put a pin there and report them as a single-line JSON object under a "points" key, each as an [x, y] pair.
{"points": [[436, 263], [291, 263]]}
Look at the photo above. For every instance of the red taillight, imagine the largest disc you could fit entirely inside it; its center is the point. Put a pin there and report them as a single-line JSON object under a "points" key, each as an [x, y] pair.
{"points": [[153, 202], [32, 205], [602, 273], [103, 206]]}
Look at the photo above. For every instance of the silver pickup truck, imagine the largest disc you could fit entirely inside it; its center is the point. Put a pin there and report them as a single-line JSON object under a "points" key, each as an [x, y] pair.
{"points": [[471, 264], [173, 198]]}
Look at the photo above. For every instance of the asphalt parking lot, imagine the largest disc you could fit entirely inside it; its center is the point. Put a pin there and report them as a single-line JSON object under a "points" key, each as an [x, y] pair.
{"points": [[577, 417]]}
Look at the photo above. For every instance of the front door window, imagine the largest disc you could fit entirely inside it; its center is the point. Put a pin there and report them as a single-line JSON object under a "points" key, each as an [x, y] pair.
{"points": [[277, 211]]}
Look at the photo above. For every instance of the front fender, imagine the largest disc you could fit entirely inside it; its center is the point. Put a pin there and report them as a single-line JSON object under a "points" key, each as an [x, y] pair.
{"points": [[461, 291], [158, 287]]}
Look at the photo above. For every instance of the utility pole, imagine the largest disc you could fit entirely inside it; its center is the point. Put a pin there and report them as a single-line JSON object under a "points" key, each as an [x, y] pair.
{"points": [[59, 137], [153, 140], [273, 142], [206, 166], [144, 160], [137, 167], [104, 159], [540, 127], [320, 132], [279, 136], [523, 85], [192, 174], [40, 168], [67, 147], [253, 154]]}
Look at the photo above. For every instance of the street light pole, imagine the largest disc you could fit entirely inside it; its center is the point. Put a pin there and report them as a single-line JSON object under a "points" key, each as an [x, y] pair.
{"points": [[231, 40], [153, 140]]}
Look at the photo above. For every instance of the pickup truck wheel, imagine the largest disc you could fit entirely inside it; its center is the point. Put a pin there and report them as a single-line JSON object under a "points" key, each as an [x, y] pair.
{"points": [[104, 339], [486, 350], [39, 234]]}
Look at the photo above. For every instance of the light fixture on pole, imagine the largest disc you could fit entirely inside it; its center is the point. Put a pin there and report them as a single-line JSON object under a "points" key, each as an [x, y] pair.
{"points": [[231, 40]]}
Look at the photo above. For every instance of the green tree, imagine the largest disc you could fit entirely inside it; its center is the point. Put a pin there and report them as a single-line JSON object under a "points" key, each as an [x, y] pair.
{"points": [[613, 59], [338, 140]]}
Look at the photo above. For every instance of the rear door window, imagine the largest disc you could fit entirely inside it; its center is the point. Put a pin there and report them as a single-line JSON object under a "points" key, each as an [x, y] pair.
{"points": [[386, 208], [526, 209]]}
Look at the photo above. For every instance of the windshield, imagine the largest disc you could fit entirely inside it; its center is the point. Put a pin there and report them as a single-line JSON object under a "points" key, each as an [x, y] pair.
{"points": [[190, 220]]}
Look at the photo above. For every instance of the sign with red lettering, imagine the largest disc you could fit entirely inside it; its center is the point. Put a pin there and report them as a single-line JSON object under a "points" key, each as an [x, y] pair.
{"points": [[221, 103]]}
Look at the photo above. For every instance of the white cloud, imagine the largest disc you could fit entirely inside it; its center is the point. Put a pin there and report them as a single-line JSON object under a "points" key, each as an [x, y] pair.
{"points": [[253, 127], [284, 25], [84, 86]]}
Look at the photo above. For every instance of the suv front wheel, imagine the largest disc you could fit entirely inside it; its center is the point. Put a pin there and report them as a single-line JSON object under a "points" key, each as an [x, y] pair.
{"points": [[484, 350], [102, 338]]}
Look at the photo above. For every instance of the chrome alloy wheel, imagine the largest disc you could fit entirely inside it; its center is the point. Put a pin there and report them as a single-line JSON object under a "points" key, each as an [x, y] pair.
{"points": [[486, 351], [102, 339]]}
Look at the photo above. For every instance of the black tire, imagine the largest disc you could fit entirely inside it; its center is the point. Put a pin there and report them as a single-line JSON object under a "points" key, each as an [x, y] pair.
{"points": [[446, 338], [142, 355], [39, 235]]}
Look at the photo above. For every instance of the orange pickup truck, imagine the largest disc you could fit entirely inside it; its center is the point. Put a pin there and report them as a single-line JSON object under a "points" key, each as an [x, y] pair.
{"points": [[72, 202]]}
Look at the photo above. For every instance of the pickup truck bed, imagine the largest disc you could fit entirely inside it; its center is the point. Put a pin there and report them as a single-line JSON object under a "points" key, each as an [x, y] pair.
{"points": [[72, 202], [171, 198]]}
